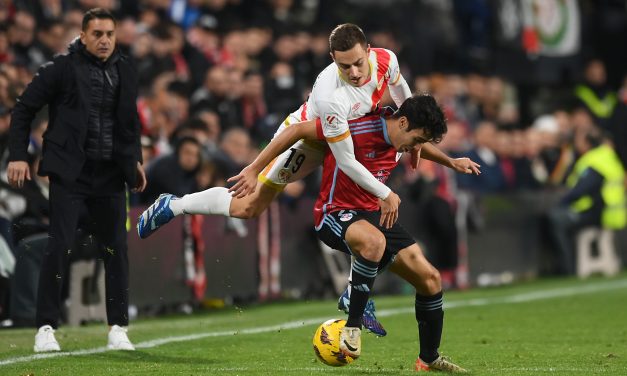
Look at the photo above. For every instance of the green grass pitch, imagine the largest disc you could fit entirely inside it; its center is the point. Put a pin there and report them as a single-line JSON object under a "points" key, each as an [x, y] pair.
{"points": [[546, 327]]}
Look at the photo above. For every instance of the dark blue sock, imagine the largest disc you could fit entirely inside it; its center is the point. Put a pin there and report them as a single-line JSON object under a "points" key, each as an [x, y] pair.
{"points": [[430, 317], [363, 274]]}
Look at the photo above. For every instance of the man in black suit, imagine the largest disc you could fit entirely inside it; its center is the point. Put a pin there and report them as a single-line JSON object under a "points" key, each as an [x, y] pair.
{"points": [[90, 150]]}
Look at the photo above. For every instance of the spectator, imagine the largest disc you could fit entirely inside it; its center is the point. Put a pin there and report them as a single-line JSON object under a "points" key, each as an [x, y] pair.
{"points": [[283, 89], [72, 21], [437, 219], [159, 60], [595, 95], [148, 149], [215, 96], [236, 151], [127, 35], [204, 37], [184, 13], [6, 8], [22, 35], [257, 42], [253, 104], [484, 153], [233, 53], [5, 54], [319, 55], [212, 123], [595, 197], [43, 10], [617, 127], [5, 119], [50, 41], [549, 148], [175, 172]]}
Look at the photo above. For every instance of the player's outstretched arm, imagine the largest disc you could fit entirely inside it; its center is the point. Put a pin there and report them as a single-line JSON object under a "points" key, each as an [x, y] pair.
{"points": [[246, 180], [462, 165]]}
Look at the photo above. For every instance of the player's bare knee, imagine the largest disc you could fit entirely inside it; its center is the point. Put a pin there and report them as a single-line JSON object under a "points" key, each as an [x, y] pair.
{"points": [[373, 247], [252, 206], [246, 208], [432, 281], [237, 212], [249, 211]]}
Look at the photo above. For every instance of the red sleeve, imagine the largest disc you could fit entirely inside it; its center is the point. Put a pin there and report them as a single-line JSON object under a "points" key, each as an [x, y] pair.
{"points": [[319, 133]]}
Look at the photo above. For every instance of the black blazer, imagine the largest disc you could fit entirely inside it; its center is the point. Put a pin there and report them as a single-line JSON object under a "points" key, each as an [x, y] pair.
{"points": [[63, 84]]}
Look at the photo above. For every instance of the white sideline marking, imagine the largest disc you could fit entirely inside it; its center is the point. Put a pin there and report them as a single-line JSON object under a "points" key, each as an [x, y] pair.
{"points": [[551, 369], [524, 297]]}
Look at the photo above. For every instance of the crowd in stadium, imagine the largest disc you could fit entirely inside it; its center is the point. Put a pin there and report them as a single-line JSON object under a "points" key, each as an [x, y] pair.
{"points": [[218, 76]]}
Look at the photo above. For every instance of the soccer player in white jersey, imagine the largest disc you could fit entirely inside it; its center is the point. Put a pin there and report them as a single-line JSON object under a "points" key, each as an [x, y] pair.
{"points": [[347, 89]]}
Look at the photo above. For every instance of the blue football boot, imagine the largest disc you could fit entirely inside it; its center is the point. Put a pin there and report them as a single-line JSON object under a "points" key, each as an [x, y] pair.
{"points": [[369, 319], [157, 215]]}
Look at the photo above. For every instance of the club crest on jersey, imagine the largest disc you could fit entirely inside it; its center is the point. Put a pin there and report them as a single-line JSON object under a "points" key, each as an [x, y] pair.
{"points": [[346, 217], [381, 176], [284, 175], [356, 107], [371, 155]]}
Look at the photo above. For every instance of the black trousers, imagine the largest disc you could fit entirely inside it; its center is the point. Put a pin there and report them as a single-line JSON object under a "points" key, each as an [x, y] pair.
{"points": [[440, 233], [564, 225], [101, 191]]}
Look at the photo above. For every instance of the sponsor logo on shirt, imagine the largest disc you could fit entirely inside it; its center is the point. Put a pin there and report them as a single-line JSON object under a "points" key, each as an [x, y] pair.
{"points": [[356, 107]]}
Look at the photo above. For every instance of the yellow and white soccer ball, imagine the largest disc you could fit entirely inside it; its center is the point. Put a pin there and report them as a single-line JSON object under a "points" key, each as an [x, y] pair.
{"points": [[326, 343]]}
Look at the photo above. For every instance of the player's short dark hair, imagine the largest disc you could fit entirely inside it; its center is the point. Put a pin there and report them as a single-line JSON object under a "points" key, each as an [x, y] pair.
{"points": [[423, 112], [97, 13], [346, 36]]}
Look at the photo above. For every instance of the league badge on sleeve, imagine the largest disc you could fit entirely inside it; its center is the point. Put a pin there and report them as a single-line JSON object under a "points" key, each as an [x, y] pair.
{"points": [[330, 121], [284, 175]]}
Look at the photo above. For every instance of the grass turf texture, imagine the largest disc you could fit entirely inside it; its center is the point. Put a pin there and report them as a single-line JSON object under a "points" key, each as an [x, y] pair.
{"points": [[547, 327]]}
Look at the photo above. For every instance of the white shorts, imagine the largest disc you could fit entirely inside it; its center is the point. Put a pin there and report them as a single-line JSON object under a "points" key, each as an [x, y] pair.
{"points": [[295, 163]]}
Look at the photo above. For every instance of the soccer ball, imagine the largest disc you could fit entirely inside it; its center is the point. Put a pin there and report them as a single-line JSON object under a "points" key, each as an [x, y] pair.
{"points": [[326, 343]]}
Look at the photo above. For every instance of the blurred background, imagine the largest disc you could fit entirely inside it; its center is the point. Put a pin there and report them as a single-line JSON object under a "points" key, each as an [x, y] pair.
{"points": [[518, 80]]}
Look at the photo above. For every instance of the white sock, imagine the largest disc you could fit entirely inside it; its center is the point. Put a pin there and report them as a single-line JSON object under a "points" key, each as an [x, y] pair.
{"points": [[213, 201]]}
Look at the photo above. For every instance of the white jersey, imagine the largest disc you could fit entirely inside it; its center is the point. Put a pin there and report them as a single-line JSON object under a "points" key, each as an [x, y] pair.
{"points": [[335, 101]]}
